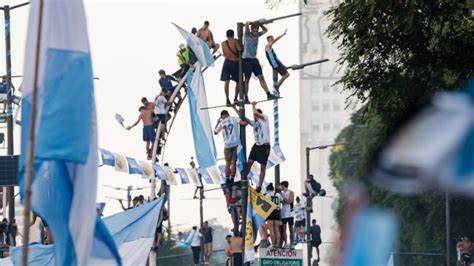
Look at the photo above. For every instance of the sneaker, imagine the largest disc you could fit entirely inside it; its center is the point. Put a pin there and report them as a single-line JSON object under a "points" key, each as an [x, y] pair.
{"points": [[236, 101], [258, 189], [228, 103], [271, 96]]}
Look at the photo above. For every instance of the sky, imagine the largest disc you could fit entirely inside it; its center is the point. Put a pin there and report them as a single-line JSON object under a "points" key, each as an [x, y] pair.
{"points": [[130, 41]]}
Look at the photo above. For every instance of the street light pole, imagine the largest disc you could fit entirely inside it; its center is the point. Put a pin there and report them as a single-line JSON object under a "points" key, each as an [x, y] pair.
{"points": [[11, 190], [276, 124], [310, 197]]}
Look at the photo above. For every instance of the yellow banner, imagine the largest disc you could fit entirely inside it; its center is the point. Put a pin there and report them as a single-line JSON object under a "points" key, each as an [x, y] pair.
{"points": [[259, 208]]}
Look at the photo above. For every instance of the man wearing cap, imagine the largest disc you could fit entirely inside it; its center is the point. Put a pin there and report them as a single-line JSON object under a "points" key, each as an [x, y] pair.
{"points": [[250, 60]]}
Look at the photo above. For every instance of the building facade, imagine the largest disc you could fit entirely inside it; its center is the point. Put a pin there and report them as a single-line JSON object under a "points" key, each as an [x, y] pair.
{"points": [[324, 109]]}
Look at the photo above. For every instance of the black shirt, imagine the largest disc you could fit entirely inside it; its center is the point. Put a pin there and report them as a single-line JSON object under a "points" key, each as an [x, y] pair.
{"points": [[207, 233], [315, 232]]}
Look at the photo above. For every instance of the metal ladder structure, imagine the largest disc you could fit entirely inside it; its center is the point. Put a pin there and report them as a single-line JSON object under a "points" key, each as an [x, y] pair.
{"points": [[177, 105]]}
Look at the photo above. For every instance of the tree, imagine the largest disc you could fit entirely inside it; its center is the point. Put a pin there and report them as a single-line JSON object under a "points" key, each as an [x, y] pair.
{"points": [[397, 53]]}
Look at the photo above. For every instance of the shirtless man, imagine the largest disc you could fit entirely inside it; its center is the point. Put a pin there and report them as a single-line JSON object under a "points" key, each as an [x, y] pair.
{"points": [[230, 68], [148, 128], [206, 35], [274, 61], [234, 248]]}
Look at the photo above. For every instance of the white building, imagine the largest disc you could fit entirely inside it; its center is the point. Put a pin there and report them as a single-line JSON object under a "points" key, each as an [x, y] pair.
{"points": [[323, 112]]}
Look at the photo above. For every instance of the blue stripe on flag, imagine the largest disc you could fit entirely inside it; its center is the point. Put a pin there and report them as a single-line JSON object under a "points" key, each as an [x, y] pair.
{"points": [[160, 172], [183, 175], [134, 167], [107, 157], [205, 175], [66, 110]]}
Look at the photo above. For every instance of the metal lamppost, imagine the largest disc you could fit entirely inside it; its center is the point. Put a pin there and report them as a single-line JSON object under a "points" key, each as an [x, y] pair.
{"points": [[8, 77], [276, 118], [310, 198]]}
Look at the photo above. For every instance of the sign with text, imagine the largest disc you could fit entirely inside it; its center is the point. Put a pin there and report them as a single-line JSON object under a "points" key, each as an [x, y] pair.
{"points": [[281, 257]]}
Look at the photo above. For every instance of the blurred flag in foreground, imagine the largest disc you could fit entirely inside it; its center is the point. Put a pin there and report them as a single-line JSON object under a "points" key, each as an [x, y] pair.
{"points": [[64, 184], [133, 231], [433, 149]]}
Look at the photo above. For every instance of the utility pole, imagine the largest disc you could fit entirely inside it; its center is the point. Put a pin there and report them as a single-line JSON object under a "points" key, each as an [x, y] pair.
{"points": [[310, 197], [11, 190], [243, 140], [276, 124], [448, 229]]}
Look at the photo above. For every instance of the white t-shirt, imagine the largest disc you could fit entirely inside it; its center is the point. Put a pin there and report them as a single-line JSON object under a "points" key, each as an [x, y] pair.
{"points": [[275, 198], [300, 213], [261, 131], [196, 239], [230, 131], [286, 211], [160, 105]]}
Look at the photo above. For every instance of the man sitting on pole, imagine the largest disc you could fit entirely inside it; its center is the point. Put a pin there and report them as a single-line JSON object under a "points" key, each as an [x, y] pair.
{"points": [[274, 61], [250, 60], [261, 149]]}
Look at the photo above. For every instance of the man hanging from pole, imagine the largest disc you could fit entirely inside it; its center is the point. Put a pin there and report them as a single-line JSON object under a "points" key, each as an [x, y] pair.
{"points": [[274, 61], [231, 134], [230, 68], [261, 149], [251, 65]]}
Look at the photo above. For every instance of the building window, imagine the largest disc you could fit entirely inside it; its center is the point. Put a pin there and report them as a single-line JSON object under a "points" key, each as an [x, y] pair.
{"points": [[316, 106], [315, 128], [326, 107], [326, 127], [337, 127], [326, 87], [336, 106]]}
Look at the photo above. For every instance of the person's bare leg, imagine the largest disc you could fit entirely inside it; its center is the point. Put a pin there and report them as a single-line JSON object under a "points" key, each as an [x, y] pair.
{"points": [[247, 83], [263, 83], [284, 235], [272, 232], [236, 94], [233, 168], [276, 227], [227, 170], [226, 88], [292, 232], [263, 170], [282, 79], [317, 252]]}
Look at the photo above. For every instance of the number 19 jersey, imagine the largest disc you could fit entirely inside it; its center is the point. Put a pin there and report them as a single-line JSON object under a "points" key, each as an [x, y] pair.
{"points": [[230, 131]]}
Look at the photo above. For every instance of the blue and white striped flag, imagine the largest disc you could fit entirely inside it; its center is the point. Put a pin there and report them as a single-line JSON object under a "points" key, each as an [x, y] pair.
{"points": [[183, 175], [198, 46], [200, 121], [133, 231], [66, 156]]}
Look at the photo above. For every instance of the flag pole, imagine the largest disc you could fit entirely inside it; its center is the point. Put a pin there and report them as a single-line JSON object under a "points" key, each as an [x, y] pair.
{"points": [[31, 144]]}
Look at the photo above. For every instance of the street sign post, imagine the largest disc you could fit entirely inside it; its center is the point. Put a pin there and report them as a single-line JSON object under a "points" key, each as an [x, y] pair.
{"points": [[282, 257]]}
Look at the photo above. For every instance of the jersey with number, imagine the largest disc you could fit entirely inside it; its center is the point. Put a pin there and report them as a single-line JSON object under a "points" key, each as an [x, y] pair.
{"points": [[261, 130], [299, 212], [230, 131], [275, 198]]}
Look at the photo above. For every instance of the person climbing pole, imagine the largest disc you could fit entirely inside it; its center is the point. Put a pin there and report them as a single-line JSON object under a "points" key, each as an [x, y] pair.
{"points": [[206, 35], [230, 68], [231, 134], [250, 60], [148, 129], [274, 61], [186, 59], [261, 149], [166, 83]]}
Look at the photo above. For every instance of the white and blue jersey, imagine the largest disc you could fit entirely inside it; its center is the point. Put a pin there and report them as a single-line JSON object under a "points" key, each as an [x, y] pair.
{"points": [[261, 131], [230, 131]]}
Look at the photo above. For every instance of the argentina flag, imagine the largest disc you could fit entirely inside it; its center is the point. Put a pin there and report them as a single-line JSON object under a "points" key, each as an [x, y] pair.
{"points": [[66, 157], [133, 231], [198, 46], [200, 121]]}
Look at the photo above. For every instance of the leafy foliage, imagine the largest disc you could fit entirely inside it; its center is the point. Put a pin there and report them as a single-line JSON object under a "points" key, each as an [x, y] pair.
{"points": [[395, 54]]}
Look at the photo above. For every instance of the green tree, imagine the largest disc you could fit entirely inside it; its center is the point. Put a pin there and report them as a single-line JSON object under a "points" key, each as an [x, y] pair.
{"points": [[396, 53]]}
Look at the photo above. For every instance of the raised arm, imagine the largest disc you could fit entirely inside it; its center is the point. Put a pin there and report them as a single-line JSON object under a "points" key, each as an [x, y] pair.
{"points": [[247, 26], [218, 126], [264, 29], [279, 37], [136, 123], [255, 112]]}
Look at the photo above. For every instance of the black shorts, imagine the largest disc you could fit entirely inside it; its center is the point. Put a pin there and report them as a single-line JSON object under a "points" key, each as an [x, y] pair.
{"points": [[300, 223], [315, 243], [281, 69], [162, 118], [251, 65], [182, 71], [260, 153], [230, 71], [290, 221], [274, 216]]}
